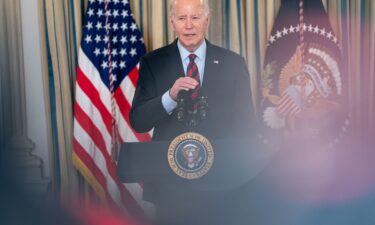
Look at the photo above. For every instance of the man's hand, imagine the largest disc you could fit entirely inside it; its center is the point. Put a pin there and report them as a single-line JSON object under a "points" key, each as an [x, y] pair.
{"points": [[182, 83]]}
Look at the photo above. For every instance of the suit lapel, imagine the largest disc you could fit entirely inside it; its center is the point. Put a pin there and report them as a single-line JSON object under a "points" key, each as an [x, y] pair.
{"points": [[211, 68], [176, 68], [212, 65]]}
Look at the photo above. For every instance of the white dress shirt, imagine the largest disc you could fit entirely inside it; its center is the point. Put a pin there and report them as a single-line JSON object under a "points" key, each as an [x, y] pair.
{"points": [[168, 103]]}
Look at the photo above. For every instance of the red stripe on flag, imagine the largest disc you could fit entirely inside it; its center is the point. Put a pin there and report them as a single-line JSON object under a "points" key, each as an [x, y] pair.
{"points": [[124, 107], [91, 165], [295, 111], [286, 104], [98, 140], [90, 128], [133, 75], [94, 96], [283, 109]]}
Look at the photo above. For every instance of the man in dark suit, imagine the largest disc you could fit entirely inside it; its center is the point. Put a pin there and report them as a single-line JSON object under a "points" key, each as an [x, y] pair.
{"points": [[190, 64], [223, 78]]}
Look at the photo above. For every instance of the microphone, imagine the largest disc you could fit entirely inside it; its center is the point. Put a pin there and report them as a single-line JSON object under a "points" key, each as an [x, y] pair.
{"points": [[202, 104], [181, 105], [189, 111], [182, 95]]}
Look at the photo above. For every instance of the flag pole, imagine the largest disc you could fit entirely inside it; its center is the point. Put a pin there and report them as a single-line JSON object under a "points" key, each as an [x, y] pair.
{"points": [[301, 34], [112, 79]]}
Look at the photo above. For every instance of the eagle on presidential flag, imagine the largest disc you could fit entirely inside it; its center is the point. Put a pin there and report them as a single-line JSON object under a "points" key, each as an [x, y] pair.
{"points": [[304, 94]]}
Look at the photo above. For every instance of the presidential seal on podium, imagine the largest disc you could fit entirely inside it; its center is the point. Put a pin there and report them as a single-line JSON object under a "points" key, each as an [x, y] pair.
{"points": [[190, 155]]}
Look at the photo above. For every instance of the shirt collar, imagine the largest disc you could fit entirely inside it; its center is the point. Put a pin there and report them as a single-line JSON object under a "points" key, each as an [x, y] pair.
{"points": [[200, 52]]}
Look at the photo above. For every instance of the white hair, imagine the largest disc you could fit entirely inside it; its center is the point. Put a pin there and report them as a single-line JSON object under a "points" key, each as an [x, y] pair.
{"points": [[204, 3]]}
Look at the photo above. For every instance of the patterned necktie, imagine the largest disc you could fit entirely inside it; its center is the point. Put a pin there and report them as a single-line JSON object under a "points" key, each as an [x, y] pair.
{"points": [[192, 71]]}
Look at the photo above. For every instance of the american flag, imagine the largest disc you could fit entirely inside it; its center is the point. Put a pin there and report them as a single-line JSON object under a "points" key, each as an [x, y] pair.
{"points": [[107, 73]]}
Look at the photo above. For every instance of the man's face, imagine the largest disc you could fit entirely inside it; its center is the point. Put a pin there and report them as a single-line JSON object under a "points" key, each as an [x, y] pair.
{"points": [[190, 23]]}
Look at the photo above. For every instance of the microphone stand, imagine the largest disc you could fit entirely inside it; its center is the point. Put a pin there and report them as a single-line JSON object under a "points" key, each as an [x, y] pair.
{"points": [[191, 113]]}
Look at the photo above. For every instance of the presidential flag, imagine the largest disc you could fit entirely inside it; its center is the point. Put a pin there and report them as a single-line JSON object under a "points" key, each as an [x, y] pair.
{"points": [[303, 80], [107, 73]]}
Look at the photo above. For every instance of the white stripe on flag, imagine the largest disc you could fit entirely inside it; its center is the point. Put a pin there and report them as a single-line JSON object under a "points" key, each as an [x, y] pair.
{"points": [[86, 142], [128, 89], [93, 76], [124, 130], [85, 103]]}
